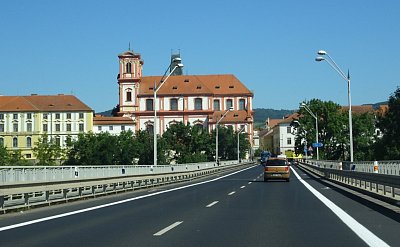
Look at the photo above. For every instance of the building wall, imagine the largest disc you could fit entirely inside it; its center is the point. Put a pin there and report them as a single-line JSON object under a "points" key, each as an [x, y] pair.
{"points": [[57, 128]]}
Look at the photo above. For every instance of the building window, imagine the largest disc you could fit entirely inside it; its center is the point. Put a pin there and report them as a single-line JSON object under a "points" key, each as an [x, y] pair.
{"points": [[68, 115], [289, 141], [81, 127], [149, 104], [229, 103], [58, 127], [15, 127], [58, 141], [217, 105], [28, 142], [128, 68], [123, 128], [198, 104], [1, 142], [69, 127], [15, 116], [110, 127], [174, 104], [45, 116], [29, 115], [57, 115], [1, 116], [150, 129], [45, 129], [289, 130], [29, 127], [1, 127], [242, 104], [99, 128], [128, 96], [15, 142], [81, 115], [28, 156]]}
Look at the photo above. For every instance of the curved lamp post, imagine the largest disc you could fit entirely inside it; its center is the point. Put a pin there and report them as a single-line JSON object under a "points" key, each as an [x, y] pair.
{"points": [[162, 81], [216, 134], [316, 124], [322, 57]]}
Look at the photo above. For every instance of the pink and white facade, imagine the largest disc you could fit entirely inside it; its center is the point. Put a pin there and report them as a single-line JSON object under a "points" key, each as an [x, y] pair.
{"points": [[193, 99]]}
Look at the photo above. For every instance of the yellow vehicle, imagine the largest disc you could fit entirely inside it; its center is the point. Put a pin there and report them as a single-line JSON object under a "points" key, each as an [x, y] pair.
{"points": [[277, 168]]}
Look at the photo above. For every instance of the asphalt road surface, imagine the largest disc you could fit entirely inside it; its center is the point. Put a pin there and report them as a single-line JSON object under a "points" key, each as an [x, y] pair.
{"points": [[236, 209]]}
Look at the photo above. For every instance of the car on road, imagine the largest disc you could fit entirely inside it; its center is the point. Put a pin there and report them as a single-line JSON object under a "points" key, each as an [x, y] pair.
{"points": [[277, 168]]}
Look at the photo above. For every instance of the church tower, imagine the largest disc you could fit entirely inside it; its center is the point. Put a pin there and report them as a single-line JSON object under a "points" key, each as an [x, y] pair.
{"points": [[130, 72]]}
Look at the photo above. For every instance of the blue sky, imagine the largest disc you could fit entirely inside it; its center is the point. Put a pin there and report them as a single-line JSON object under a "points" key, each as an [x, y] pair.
{"points": [[51, 47]]}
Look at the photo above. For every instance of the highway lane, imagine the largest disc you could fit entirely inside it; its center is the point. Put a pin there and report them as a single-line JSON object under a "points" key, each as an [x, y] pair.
{"points": [[238, 210]]}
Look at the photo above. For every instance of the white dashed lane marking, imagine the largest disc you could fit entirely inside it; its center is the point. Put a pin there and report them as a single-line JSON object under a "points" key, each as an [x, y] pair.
{"points": [[243, 187], [168, 228], [212, 204], [233, 192]]}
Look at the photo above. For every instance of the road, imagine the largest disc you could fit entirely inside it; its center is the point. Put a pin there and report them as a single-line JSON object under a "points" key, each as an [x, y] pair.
{"points": [[230, 210]]}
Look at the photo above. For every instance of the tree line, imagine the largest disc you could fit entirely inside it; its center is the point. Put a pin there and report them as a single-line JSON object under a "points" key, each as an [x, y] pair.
{"points": [[333, 128], [179, 144]]}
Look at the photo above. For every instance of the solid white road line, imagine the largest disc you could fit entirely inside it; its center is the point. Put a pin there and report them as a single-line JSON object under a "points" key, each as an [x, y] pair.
{"points": [[168, 228], [233, 192], [243, 187], [366, 235], [211, 204], [5, 228]]}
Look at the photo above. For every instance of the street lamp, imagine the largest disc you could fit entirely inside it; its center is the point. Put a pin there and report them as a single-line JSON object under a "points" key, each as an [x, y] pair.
{"points": [[316, 125], [216, 136], [162, 81], [238, 151], [332, 63]]}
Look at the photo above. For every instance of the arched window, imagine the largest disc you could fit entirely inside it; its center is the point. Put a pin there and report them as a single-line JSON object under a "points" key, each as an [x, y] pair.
{"points": [[242, 104], [198, 104], [15, 142], [150, 129], [174, 104], [129, 96], [149, 105], [229, 103], [129, 68], [216, 105], [28, 142]]}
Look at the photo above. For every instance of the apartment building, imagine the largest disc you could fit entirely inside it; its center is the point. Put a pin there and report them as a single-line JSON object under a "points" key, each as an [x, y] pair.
{"points": [[24, 119]]}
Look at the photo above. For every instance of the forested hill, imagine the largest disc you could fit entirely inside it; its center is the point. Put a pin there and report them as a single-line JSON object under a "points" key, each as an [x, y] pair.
{"points": [[261, 114]]}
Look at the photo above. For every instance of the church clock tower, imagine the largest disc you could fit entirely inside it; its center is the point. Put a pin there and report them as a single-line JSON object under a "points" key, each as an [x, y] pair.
{"points": [[130, 72]]}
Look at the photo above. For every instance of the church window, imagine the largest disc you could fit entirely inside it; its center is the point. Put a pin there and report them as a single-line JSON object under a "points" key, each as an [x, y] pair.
{"points": [[149, 104], [128, 68], [128, 96], [174, 104], [198, 104]]}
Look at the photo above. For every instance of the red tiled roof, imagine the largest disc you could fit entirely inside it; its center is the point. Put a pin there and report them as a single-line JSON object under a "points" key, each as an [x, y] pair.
{"points": [[102, 120], [36, 103], [359, 109], [194, 84]]}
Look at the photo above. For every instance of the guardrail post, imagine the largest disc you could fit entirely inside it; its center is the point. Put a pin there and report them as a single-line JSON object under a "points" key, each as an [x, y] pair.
{"points": [[340, 166], [376, 166], [1, 201]]}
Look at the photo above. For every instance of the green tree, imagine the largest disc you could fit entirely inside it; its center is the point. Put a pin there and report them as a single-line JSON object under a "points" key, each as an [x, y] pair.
{"points": [[389, 123], [363, 136], [47, 152], [4, 156]]}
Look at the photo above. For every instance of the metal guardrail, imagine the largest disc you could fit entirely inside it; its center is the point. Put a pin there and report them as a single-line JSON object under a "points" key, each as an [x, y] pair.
{"points": [[380, 167], [383, 186], [24, 187]]}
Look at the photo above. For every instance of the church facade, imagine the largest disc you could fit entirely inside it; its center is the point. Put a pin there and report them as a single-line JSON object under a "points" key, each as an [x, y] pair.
{"points": [[192, 99]]}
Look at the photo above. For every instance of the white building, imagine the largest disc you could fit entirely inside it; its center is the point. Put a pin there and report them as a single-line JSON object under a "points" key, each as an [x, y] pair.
{"points": [[112, 125]]}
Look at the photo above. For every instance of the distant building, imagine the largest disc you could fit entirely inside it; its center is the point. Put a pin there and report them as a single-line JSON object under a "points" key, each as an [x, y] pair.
{"points": [[23, 119], [191, 99], [112, 125]]}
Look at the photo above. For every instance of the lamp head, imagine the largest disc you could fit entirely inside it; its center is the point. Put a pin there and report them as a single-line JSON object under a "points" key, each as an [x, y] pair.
{"points": [[230, 108], [179, 65], [177, 60], [302, 104], [321, 52], [319, 59]]}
